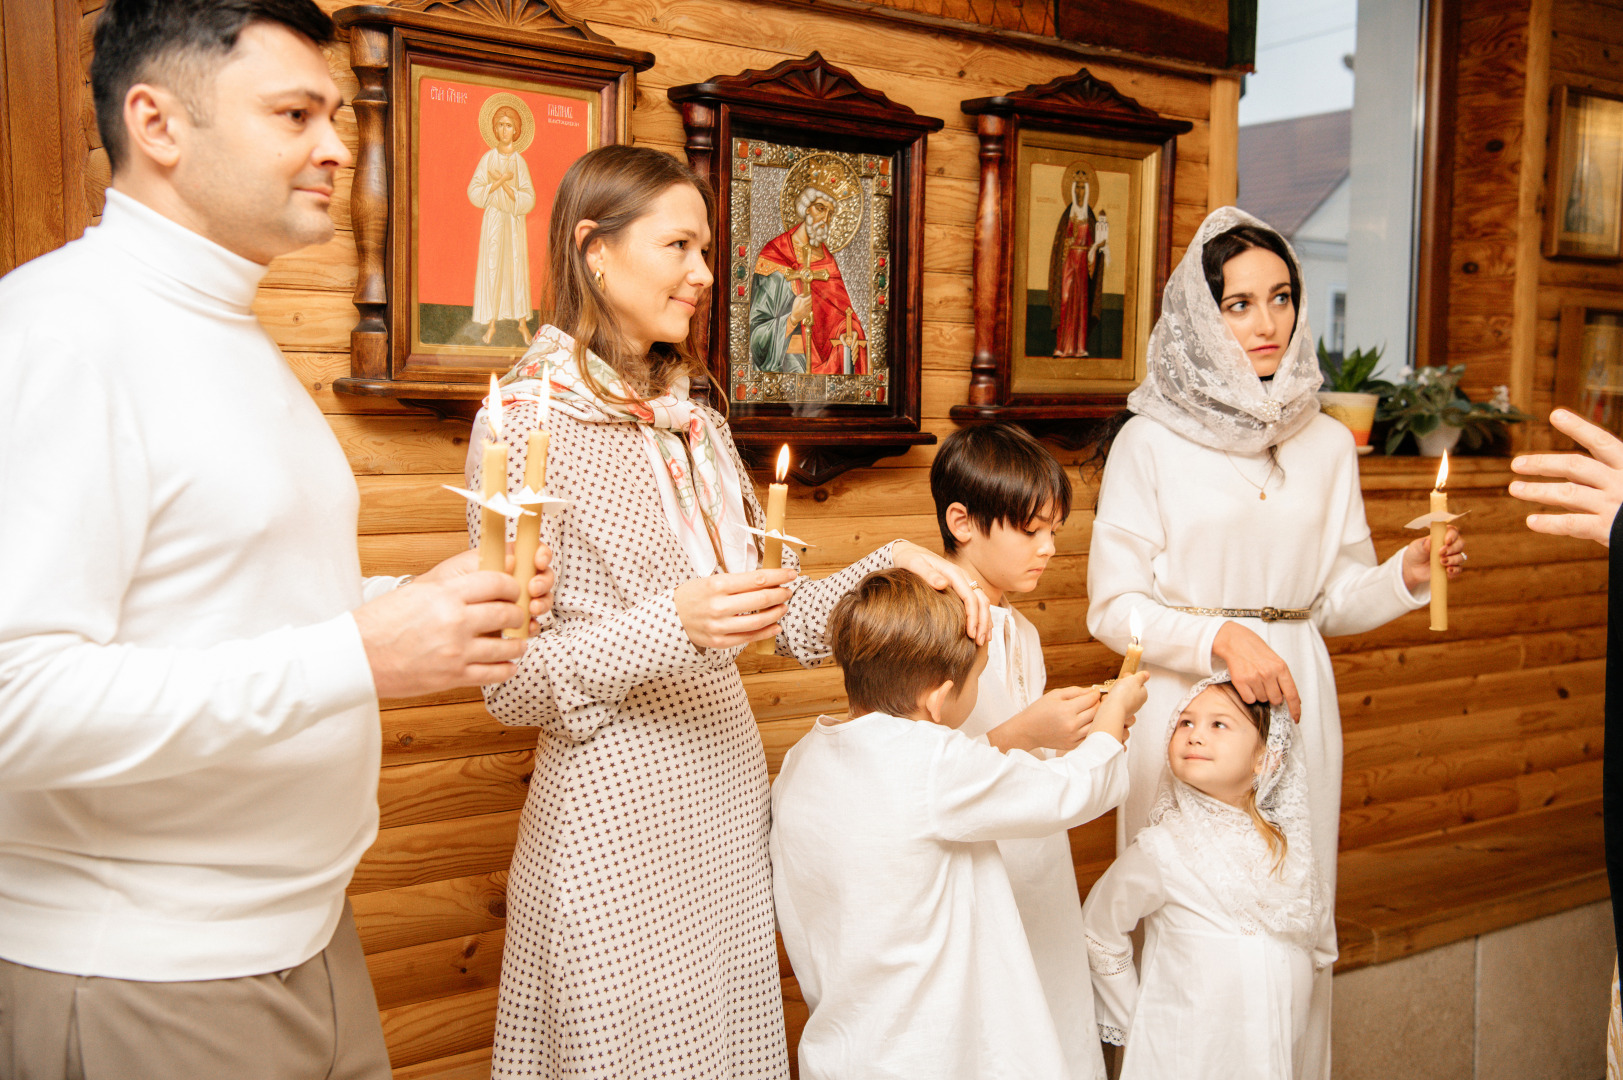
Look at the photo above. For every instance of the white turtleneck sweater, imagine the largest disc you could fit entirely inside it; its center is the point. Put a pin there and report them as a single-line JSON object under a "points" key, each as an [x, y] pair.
{"points": [[188, 731]]}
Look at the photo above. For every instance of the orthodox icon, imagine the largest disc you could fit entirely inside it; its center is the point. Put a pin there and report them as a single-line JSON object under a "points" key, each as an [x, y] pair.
{"points": [[811, 226], [1585, 210], [491, 154]]}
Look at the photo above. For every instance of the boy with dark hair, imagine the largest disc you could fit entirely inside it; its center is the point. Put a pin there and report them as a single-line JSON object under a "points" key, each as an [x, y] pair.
{"points": [[190, 660], [895, 908], [1000, 498]]}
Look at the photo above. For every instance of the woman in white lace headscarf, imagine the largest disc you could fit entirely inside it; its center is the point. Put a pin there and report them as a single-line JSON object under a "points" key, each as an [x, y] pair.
{"points": [[1225, 879], [1230, 518]]}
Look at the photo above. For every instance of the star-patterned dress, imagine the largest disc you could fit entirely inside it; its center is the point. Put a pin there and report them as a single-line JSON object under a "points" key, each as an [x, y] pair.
{"points": [[639, 905]]}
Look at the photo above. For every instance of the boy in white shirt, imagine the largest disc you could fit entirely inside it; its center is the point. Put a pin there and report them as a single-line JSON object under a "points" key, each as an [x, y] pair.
{"points": [[1000, 500], [894, 905]]}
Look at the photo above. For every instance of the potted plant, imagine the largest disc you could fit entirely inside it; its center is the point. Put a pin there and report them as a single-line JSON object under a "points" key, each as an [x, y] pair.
{"points": [[1351, 394], [1429, 405]]}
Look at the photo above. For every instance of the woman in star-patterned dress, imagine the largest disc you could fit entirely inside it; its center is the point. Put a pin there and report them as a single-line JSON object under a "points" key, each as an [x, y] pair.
{"points": [[640, 926]]}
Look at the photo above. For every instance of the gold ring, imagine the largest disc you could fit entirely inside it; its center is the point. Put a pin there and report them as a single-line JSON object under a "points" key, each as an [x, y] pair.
{"points": [[973, 584]]}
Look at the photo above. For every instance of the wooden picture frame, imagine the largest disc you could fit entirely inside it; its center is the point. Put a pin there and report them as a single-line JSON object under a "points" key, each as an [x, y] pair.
{"points": [[1589, 363], [813, 330], [1102, 243], [450, 220], [1584, 210]]}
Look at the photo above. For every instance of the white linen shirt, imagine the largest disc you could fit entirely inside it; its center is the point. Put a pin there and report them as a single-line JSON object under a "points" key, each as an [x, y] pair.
{"points": [[895, 908], [189, 736]]}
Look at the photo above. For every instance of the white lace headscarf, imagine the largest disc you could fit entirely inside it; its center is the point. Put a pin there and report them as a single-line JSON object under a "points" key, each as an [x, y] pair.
{"points": [[1199, 381], [1222, 846]]}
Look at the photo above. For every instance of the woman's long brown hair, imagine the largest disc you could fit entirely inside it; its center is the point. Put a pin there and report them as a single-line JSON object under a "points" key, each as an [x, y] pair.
{"points": [[614, 186]]}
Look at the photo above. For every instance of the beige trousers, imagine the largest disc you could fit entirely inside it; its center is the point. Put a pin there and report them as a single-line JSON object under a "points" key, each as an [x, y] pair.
{"points": [[317, 1021]]}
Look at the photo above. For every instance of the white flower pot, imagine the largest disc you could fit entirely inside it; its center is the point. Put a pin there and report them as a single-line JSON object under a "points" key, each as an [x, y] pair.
{"points": [[1357, 411], [1439, 441]]}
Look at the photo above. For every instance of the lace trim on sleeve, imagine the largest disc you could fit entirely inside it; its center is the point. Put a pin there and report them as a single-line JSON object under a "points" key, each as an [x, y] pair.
{"points": [[1106, 961], [1115, 1036]]}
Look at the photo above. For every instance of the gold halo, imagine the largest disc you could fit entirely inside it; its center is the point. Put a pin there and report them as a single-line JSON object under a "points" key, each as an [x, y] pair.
{"points": [[831, 173], [487, 120], [1080, 169]]}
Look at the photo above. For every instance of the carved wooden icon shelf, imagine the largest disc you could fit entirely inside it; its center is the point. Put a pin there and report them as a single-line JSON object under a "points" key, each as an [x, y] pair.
{"points": [[533, 45], [801, 125], [1074, 116]]}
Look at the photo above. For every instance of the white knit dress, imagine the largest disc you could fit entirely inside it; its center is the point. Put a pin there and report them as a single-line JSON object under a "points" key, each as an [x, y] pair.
{"points": [[639, 906]]}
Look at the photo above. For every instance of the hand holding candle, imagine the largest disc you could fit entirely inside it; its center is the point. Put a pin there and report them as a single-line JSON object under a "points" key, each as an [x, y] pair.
{"points": [[1439, 532], [1135, 648], [493, 481], [528, 539], [1440, 557], [777, 506]]}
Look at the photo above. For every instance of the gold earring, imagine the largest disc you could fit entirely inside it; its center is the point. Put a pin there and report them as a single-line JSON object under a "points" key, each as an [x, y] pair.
{"points": [[597, 278]]}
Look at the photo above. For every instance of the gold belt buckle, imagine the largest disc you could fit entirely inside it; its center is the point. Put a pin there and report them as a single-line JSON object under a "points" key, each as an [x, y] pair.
{"points": [[1270, 614]]}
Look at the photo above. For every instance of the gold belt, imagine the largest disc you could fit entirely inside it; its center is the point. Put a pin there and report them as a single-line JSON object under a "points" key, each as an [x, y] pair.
{"points": [[1267, 614]]}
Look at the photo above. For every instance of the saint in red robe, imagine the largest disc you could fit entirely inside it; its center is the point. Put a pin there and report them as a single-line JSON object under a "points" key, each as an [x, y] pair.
{"points": [[1073, 285], [804, 267]]}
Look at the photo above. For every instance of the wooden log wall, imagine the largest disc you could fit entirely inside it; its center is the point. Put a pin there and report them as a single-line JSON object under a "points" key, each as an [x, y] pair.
{"points": [[1458, 745], [1505, 297]]}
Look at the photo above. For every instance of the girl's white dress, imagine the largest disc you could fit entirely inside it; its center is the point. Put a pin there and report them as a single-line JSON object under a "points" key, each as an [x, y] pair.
{"points": [[1180, 523], [1040, 870], [1213, 1002], [1224, 985]]}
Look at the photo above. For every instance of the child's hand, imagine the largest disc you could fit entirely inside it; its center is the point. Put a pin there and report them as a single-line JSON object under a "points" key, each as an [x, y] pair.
{"points": [[1060, 719], [1121, 705]]}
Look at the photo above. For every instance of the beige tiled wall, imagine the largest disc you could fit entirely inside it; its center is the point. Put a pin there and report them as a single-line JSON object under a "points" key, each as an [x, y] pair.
{"points": [[1525, 1003]]}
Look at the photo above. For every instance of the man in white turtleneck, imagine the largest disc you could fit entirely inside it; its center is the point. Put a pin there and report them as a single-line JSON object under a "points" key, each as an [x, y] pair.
{"points": [[190, 660]]}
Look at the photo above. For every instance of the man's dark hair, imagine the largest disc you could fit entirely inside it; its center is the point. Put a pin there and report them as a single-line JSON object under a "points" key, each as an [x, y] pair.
{"points": [[177, 43], [1001, 474]]}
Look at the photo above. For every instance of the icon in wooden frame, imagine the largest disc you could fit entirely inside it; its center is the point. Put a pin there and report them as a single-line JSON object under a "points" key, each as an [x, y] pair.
{"points": [[1584, 211], [1072, 248], [813, 338], [467, 119]]}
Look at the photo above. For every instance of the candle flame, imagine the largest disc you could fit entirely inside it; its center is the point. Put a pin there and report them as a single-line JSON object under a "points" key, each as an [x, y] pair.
{"points": [[1442, 472], [493, 415], [783, 463], [1135, 625]]}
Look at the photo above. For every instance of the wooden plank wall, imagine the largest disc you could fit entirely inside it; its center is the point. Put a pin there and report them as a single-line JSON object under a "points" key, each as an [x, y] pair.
{"points": [[1585, 50], [1489, 149], [1505, 296], [1492, 726]]}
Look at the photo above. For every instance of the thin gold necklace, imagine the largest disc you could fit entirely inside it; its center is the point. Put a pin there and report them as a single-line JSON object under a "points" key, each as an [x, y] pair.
{"points": [[1261, 488]]}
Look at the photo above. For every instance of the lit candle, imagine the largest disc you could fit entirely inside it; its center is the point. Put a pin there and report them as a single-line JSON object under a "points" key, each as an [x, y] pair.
{"points": [[1129, 663], [777, 506], [1439, 532], [529, 527], [493, 481]]}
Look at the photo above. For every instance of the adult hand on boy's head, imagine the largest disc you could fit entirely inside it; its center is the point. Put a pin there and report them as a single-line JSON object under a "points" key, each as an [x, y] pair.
{"points": [[942, 575]]}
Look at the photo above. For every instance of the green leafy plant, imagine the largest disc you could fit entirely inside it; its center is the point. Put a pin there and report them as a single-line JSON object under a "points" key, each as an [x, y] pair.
{"points": [[1431, 397], [1352, 373]]}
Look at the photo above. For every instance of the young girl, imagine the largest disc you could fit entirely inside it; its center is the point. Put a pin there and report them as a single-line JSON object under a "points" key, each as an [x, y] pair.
{"points": [[1225, 880]]}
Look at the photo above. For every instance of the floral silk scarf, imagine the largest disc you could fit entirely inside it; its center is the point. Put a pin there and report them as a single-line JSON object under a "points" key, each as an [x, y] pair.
{"points": [[698, 481]]}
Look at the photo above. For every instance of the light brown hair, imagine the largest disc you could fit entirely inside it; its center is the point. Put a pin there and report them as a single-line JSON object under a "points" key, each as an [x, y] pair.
{"points": [[896, 638], [1260, 713], [614, 186]]}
